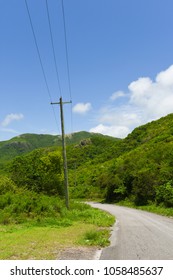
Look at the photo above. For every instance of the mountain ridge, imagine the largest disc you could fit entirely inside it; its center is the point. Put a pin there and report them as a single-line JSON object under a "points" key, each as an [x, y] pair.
{"points": [[27, 142]]}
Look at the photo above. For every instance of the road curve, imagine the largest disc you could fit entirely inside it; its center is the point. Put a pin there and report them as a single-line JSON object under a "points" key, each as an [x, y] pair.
{"points": [[138, 235]]}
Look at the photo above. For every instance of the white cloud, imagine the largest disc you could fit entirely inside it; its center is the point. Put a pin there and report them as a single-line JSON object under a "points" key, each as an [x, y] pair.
{"points": [[165, 77], [140, 86], [140, 91], [10, 118], [153, 98], [82, 108], [115, 131], [117, 94], [123, 115], [147, 100]]}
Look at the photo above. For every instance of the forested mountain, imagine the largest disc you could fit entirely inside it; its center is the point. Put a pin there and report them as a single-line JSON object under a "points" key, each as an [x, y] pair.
{"points": [[138, 168], [28, 142], [23, 144]]}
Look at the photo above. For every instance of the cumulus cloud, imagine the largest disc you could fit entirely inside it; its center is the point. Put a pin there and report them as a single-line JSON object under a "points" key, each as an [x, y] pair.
{"points": [[165, 77], [146, 100], [115, 131], [123, 115], [82, 108], [10, 118], [153, 98]]}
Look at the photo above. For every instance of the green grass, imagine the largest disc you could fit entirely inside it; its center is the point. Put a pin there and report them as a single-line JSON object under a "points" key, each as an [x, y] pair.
{"points": [[38, 243], [44, 237], [96, 237], [161, 210]]}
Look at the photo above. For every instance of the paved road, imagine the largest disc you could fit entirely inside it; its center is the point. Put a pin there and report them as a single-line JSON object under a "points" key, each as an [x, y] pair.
{"points": [[138, 235]]}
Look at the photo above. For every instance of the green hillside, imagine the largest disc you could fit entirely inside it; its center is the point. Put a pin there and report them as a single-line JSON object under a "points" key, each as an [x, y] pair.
{"points": [[30, 180], [143, 171], [155, 131], [23, 144], [28, 142], [138, 168]]}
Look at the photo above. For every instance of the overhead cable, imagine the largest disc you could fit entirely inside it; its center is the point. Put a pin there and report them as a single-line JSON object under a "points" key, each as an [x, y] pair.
{"points": [[39, 56], [53, 48], [66, 48], [67, 59]]}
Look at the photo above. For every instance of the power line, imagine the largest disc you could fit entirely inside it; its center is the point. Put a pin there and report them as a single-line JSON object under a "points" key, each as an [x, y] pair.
{"points": [[67, 56], [67, 60], [38, 52], [53, 48], [66, 48], [40, 60]]}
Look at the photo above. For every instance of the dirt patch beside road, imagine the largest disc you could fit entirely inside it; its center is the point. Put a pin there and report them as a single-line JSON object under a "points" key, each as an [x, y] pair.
{"points": [[80, 253]]}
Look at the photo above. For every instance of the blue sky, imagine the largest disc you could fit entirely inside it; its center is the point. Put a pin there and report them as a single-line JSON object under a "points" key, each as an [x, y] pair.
{"points": [[120, 55]]}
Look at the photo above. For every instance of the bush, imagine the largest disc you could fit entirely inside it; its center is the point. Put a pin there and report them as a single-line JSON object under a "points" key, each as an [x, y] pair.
{"points": [[6, 185], [39, 171], [143, 187], [96, 237], [25, 205], [164, 194]]}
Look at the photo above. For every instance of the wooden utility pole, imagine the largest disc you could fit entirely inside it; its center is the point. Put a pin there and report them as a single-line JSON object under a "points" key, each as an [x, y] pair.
{"points": [[61, 103]]}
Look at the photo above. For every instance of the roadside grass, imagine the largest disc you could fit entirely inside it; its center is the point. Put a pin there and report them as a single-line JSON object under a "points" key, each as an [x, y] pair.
{"points": [[45, 236], [96, 237], [157, 209], [38, 243]]}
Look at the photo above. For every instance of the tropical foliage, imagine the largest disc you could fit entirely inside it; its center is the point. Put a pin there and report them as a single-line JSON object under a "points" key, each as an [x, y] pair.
{"points": [[39, 171], [138, 168]]}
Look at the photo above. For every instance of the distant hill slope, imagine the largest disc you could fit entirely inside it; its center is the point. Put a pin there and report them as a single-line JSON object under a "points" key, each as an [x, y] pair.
{"points": [[137, 167], [28, 142], [154, 131], [143, 171]]}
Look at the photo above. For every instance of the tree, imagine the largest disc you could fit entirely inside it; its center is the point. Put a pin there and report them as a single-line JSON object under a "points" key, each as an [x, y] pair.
{"points": [[164, 194], [144, 187], [40, 171], [6, 185]]}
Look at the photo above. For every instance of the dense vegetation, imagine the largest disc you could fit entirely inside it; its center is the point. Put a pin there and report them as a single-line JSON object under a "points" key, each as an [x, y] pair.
{"points": [[138, 168], [26, 143], [39, 171], [144, 173], [136, 171], [32, 188]]}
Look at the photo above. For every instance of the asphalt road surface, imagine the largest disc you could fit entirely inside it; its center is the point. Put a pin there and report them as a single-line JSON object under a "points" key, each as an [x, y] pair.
{"points": [[138, 235]]}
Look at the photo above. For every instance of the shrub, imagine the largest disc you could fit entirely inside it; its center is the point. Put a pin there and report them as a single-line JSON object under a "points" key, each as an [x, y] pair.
{"points": [[6, 185], [25, 205], [39, 171], [143, 187], [96, 237], [164, 194]]}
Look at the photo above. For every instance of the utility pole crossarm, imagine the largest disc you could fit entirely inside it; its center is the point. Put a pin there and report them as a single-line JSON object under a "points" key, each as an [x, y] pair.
{"points": [[61, 103], [54, 103]]}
